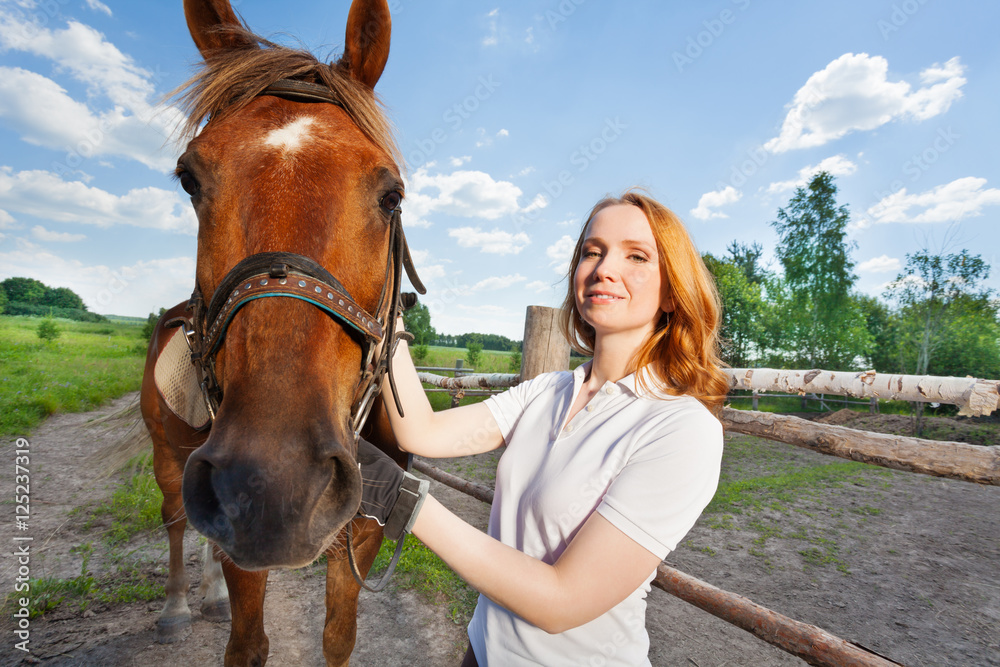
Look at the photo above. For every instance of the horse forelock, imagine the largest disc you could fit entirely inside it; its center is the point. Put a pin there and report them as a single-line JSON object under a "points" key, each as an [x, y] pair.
{"points": [[229, 79]]}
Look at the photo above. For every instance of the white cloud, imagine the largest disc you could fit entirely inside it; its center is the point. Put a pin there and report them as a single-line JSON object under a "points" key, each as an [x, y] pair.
{"points": [[715, 199], [498, 282], [853, 93], [525, 171], [426, 269], [539, 286], [99, 6], [43, 234], [561, 253], [465, 193], [46, 115], [459, 161], [880, 264], [492, 37], [962, 198], [503, 133], [496, 241], [837, 165], [135, 290], [44, 195], [7, 221]]}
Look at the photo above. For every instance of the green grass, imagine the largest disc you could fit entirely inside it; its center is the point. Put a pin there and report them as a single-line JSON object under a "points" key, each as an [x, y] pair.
{"points": [[134, 507], [420, 569], [89, 364], [128, 584]]}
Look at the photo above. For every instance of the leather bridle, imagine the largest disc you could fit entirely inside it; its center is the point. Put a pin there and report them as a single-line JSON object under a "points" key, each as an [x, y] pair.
{"points": [[282, 274], [271, 274]]}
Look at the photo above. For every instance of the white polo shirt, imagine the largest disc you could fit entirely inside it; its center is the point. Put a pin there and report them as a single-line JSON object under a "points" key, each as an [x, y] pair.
{"points": [[647, 464]]}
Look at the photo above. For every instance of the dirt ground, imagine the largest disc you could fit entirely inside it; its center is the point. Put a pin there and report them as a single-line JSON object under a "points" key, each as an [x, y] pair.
{"points": [[902, 564]]}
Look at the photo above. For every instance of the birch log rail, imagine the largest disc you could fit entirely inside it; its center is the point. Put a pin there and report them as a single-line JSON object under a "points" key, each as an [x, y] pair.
{"points": [[973, 396]]}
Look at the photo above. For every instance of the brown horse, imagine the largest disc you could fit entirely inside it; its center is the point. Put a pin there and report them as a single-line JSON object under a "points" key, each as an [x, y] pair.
{"points": [[296, 185]]}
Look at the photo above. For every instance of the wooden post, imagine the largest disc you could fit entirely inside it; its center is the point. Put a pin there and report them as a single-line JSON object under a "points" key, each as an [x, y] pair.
{"points": [[755, 397], [873, 406], [458, 373], [545, 349]]}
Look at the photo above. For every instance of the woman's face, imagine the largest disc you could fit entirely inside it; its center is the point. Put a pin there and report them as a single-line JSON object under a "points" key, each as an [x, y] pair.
{"points": [[617, 283]]}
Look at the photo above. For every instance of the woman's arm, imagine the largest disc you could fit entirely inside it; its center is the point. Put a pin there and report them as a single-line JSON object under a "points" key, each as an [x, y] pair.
{"points": [[599, 568], [462, 431]]}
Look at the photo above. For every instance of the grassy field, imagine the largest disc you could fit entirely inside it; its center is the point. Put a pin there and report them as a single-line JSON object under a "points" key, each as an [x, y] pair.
{"points": [[88, 364]]}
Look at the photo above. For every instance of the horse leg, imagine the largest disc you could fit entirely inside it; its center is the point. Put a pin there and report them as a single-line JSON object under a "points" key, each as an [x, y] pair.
{"points": [[174, 623], [215, 605], [248, 644], [341, 627]]}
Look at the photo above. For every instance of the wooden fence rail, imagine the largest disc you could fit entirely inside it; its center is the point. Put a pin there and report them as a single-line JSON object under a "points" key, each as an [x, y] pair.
{"points": [[814, 645]]}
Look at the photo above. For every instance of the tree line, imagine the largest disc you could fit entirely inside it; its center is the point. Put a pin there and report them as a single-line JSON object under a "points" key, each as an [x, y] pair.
{"points": [[27, 296], [936, 317]]}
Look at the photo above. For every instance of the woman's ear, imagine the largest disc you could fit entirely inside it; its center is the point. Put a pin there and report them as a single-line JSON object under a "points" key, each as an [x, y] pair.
{"points": [[667, 305]]}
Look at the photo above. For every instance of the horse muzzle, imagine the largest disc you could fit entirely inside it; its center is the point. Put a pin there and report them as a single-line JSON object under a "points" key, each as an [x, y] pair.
{"points": [[270, 512]]}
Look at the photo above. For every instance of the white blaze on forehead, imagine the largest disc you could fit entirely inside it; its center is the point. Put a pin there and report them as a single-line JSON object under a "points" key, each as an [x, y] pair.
{"points": [[291, 136]]}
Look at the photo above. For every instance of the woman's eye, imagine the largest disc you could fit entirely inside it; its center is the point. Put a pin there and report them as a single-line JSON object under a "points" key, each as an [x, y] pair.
{"points": [[639, 258], [391, 201], [188, 182]]}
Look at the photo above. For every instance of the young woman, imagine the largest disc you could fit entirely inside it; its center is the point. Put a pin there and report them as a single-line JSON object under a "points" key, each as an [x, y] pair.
{"points": [[606, 468]]}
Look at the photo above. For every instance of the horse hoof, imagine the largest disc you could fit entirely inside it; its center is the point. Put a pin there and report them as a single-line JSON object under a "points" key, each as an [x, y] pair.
{"points": [[216, 612], [170, 630]]}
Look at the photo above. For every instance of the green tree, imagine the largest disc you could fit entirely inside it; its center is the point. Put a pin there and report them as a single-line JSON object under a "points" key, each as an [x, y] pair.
{"points": [[822, 322], [743, 307], [948, 323], [418, 323], [514, 365], [931, 293], [883, 327], [419, 353], [24, 290], [746, 257], [47, 330], [62, 297], [151, 320], [3, 299], [473, 350]]}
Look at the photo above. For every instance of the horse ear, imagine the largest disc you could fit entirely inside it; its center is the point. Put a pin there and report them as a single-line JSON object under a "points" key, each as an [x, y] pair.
{"points": [[366, 46], [208, 20]]}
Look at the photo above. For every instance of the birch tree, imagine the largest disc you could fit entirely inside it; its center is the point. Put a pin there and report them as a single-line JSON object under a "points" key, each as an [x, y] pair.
{"points": [[821, 324]]}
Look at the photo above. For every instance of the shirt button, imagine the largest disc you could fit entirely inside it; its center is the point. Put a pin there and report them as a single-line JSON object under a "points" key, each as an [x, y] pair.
{"points": [[590, 408], [569, 427], [609, 390]]}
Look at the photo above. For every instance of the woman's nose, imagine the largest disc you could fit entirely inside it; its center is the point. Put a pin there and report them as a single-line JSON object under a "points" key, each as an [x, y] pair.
{"points": [[606, 269]]}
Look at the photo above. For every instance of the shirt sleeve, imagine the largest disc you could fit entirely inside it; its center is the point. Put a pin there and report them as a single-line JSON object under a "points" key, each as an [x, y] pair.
{"points": [[666, 483], [507, 407]]}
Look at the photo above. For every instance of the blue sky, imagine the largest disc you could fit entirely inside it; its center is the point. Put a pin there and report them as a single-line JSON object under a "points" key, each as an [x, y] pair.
{"points": [[514, 119]]}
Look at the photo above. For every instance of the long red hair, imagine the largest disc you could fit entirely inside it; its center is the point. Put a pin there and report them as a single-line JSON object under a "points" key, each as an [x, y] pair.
{"points": [[683, 351]]}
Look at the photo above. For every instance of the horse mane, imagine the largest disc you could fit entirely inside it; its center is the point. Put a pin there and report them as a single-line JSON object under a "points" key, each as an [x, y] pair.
{"points": [[230, 78]]}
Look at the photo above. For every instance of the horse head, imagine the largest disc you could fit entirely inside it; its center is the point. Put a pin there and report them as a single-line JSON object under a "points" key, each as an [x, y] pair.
{"points": [[295, 169]]}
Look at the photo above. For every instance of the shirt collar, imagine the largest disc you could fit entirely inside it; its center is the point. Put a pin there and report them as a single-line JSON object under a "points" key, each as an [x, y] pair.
{"points": [[627, 383]]}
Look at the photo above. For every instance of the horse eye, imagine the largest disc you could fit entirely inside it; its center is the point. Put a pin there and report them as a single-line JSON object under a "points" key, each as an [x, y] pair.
{"points": [[188, 182], [391, 201]]}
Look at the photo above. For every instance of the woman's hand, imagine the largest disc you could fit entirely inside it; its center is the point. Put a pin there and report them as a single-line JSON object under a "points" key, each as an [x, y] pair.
{"points": [[389, 494]]}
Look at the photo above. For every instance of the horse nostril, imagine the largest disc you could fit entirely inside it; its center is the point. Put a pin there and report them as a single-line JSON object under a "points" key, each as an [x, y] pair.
{"points": [[201, 504]]}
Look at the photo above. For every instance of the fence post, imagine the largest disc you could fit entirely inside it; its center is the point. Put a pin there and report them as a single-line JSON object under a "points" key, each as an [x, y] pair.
{"points": [[873, 406], [755, 397], [545, 348], [459, 363]]}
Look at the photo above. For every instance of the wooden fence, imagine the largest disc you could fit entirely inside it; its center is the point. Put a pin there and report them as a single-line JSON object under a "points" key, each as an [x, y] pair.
{"points": [[545, 350]]}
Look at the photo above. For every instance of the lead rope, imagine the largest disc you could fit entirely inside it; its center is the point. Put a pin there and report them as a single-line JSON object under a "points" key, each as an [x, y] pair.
{"points": [[388, 571]]}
